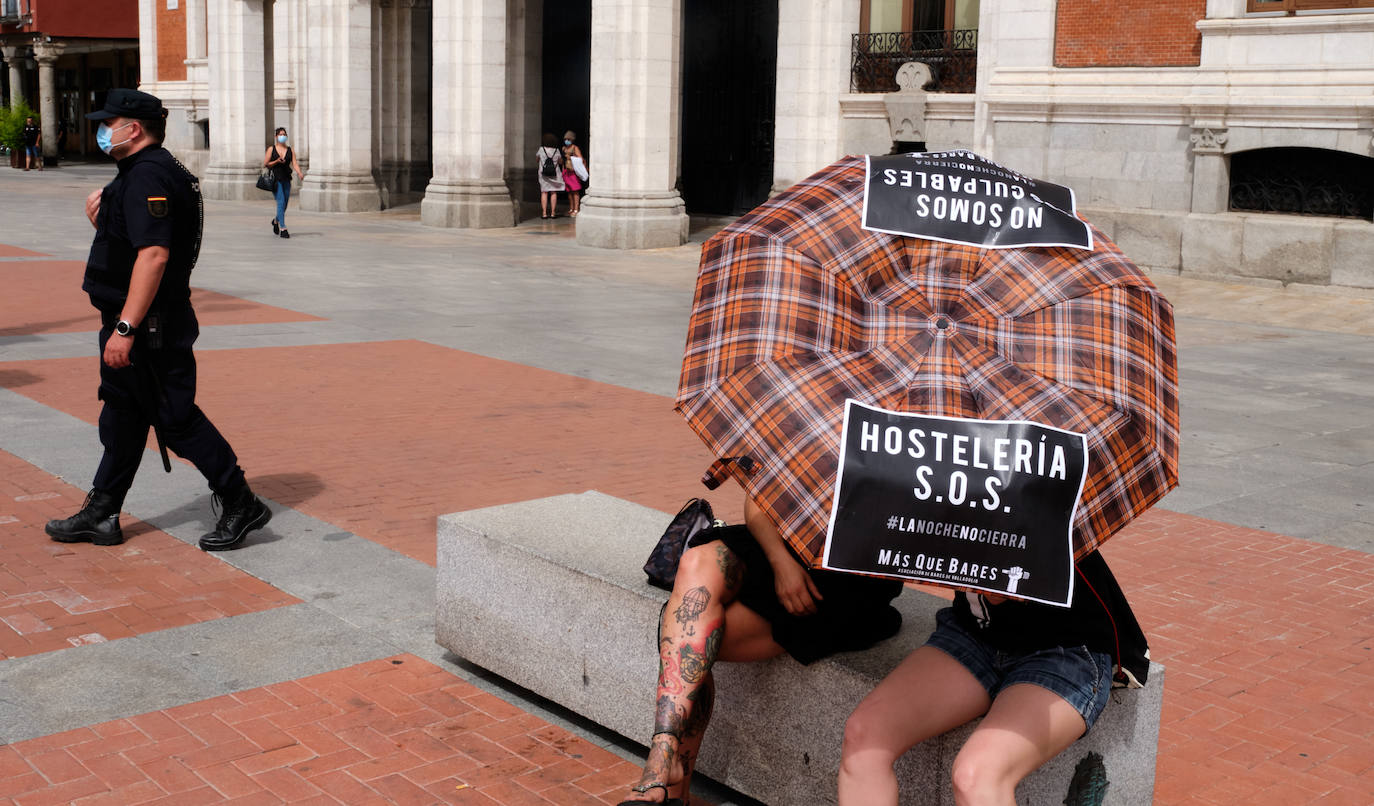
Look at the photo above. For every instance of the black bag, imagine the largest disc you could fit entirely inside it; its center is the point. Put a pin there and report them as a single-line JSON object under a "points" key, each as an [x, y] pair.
{"points": [[549, 169], [661, 566], [267, 181]]}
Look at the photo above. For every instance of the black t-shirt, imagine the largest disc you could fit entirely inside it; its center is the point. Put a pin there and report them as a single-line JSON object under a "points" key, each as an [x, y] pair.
{"points": [[1098, 618], [153, 201], [31, 135]]}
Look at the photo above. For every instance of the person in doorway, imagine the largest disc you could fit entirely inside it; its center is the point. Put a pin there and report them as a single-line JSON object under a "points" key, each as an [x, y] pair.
{"points": [[741, 595], [147, 237], [1037, 674], [281, 160], [548, 161], [572, 179], [33, 144]]}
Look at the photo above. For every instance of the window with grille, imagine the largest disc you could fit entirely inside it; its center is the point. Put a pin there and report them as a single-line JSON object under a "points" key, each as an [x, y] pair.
{"points": [[1303, 181]]}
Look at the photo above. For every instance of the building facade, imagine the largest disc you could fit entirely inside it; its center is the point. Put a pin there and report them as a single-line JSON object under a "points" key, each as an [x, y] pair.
{"points": [[61, 57], [1168, 119]]}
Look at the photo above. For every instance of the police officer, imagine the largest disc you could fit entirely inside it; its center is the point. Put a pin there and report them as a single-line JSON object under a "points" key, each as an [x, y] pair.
{"points": [[147, 237]]}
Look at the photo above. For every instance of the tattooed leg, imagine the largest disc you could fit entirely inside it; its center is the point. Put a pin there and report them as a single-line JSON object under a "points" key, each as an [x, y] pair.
{"points": [[690, 635]]}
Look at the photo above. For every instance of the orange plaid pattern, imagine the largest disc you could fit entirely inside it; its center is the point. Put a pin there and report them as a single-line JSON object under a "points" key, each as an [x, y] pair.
{"points": [[798, 308]]}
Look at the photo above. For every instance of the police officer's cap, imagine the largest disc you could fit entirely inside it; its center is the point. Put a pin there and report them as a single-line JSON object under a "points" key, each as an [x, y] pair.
{"points": [[129, 104]]}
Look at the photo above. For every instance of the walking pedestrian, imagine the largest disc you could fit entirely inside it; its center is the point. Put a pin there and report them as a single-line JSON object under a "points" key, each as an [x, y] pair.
{"points": [[281, 159], [33, 144], [548, 161], [147, 237]]}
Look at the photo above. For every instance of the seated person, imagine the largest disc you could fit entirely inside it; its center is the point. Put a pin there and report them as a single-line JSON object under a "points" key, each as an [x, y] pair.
{"points": [[741, 595], [1038, 675]]}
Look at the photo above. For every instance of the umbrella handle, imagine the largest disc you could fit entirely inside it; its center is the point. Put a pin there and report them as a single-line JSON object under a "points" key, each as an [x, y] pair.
{"points": [[718, 472]]}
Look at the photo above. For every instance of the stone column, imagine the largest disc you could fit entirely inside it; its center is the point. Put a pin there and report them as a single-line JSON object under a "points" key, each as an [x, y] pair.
{"points": [[635, 113], [239, 83], [468, 188], [15, 62], [814, 53], [525, 55], [341, 114], [1211, 181], [46, 56], [195, 30], [147, 45]]}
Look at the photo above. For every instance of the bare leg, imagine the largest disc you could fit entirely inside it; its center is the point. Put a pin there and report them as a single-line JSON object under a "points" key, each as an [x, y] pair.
{"points": [[926, 695], [1026, 727], [700, 624]]}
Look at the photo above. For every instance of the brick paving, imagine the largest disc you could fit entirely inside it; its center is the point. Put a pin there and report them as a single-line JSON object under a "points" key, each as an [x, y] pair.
{"points": [[29, 306], [430, 431], [1266, 639], [397, 730], [54, 596]]}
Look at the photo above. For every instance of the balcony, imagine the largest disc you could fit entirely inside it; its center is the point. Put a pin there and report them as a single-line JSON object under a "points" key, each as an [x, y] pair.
{"points": [[951, 55]]}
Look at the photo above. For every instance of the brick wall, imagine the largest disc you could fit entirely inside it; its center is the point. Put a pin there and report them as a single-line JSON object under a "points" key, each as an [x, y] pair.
{"points": [[171, 42], [1128, 33]]}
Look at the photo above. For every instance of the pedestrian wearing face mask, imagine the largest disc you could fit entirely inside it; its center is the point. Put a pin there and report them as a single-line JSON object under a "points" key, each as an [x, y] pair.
{"points": [[147, 238], [281, 159]]}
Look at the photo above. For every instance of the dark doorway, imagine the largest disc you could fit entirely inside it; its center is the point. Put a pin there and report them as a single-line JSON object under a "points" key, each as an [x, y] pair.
{"points": [[729, 80], [567, 79]]}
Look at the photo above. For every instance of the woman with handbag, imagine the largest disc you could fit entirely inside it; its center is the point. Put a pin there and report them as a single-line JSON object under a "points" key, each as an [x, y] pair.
{"points": [[280, 159], [574, 171], [741, 595], [548, 161]]}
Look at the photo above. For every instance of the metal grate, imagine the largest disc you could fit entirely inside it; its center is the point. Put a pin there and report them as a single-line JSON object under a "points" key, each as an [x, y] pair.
{"points": [[952, 56]]}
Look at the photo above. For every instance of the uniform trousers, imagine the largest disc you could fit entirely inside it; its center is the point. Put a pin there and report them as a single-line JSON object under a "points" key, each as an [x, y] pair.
{"points": [[160, 381]]}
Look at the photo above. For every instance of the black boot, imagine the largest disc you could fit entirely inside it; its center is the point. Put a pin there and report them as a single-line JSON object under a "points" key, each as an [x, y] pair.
{"points": [[242, 514], [97, 522]]}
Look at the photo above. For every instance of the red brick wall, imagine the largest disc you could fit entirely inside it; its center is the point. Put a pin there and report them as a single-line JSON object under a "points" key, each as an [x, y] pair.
{"points": [[1128, 33], [171, 42], [112, 19]]}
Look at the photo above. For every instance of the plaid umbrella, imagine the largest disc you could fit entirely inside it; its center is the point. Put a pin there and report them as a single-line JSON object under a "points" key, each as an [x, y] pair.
{"points": [[799, 308]]}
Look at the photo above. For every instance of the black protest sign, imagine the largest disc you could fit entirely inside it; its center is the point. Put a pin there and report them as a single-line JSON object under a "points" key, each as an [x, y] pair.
{"points": [[960, 197], [982, 504]]}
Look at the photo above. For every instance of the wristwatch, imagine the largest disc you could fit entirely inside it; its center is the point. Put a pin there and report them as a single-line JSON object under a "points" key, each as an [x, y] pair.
{"points": [[123, 328]]}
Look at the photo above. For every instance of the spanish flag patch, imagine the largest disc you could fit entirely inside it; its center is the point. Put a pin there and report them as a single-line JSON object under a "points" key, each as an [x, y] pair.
{"points": [[157, 206]]}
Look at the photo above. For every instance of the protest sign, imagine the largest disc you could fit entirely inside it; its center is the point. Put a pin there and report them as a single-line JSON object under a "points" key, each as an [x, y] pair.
{"points": [[961, 197], [981, 504]]}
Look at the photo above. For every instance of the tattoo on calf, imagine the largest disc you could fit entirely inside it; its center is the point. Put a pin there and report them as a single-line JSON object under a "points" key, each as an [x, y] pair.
{"points": [[703, 704], [668, 717], [694, 664]]}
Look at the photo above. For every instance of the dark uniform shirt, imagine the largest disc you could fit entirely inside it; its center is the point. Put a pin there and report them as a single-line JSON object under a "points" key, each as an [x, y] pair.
{"points": [[153, 201], [31, 134]]}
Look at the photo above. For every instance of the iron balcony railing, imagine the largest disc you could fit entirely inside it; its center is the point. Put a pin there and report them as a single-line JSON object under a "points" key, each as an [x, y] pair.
{"points": [[952, 56]]}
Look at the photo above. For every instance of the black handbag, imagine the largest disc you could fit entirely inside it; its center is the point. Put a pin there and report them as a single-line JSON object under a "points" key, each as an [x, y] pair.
{"points": [[661, 567], [267, 181]]}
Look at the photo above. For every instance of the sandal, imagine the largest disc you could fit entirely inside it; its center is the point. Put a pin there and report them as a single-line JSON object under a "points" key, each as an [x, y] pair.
{"points": [[667, 801]]}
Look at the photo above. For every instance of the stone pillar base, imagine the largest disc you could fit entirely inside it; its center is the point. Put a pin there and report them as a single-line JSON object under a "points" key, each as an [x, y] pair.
{"points": [[231, 183], [340, 193], [473, 204], [632, 220]]}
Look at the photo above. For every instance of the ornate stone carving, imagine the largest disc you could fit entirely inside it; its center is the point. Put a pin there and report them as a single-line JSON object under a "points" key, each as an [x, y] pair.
{"points": [[906, 108], [1208, 141]]}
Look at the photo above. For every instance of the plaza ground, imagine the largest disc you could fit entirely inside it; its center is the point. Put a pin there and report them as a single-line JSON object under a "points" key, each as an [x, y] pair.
{"points": [[373, 374]]}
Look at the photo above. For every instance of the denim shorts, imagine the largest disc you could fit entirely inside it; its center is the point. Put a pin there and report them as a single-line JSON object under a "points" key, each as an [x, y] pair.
{"points": [[1080, 676]]}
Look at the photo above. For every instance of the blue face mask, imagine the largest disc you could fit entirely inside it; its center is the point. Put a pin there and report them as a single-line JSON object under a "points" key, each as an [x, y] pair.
{"points": [[567, 142], [104, 135], [281, 138]]}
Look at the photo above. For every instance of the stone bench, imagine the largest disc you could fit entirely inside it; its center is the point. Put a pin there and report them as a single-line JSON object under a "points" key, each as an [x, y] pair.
{"points": [[549, 594]]}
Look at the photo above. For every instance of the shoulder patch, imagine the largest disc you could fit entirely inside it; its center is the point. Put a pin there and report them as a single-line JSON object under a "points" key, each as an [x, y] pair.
{"points": [[157, 206]]}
